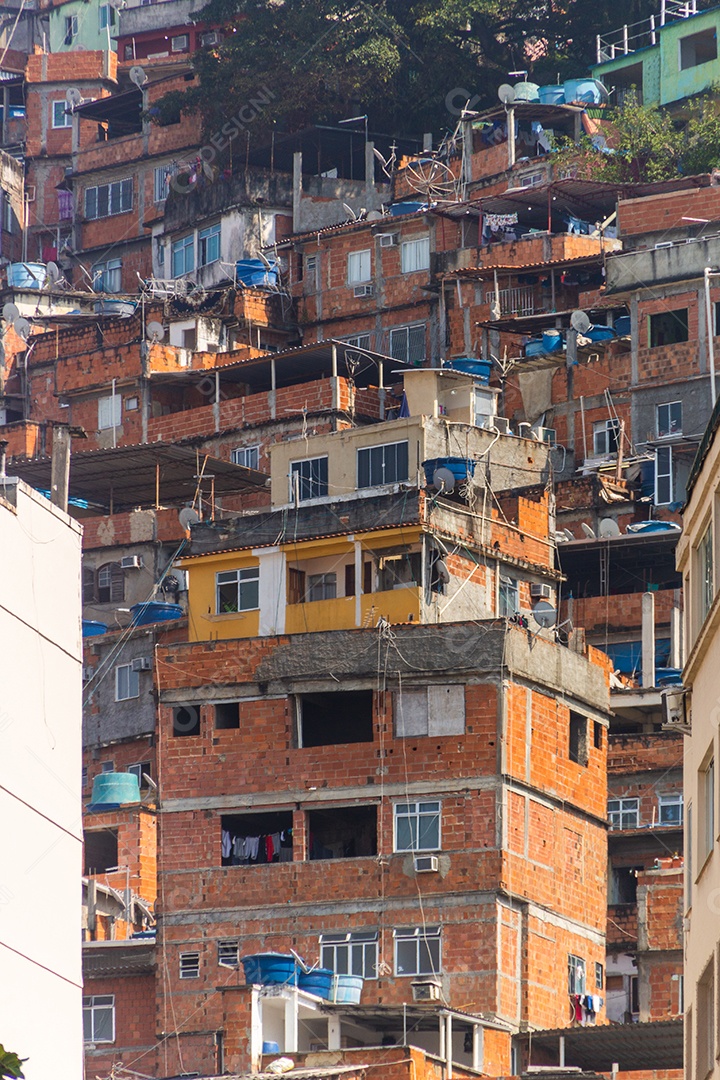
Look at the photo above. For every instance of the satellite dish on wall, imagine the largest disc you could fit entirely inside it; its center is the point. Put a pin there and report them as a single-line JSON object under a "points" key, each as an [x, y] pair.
{"points": [[580, 322], [22, 328], [52, 273], [506, 93], [608, 527], [544, 614], [74, 97], [138, 76], [155, 331], [10, 313], [441, 570], [444, 480], [187, 517]]}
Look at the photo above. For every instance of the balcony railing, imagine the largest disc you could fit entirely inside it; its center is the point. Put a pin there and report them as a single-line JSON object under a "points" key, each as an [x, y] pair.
{"points": [[633, 36]]}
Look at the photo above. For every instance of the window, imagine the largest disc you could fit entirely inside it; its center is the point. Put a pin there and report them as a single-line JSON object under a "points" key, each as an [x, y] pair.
{"points": [[229, 953], [106, 16], [180, 43], [354, 953], [417, 826], [109, 411], [597, 735], [358, 267], [344, 832], [696, 49], [599, 976], [624, 813], [237, 590], [706, 574], [359, 341], [670, 809], [508, 596], [141, 770], [417, 951], [248, 456], [100, 849], [107, 277], [309, 479], [186, 721], [688, 846], [161, 179], [110, 584], [227, 715], [71, 29], [397, 571], [705, 1012], [708, 797], [244, 838], [335, 717], [668, 419], [60, 118], [407, 343], [189, 965], [415, 255], [208, 245], [578, 740], [605, 436], [106, 766], [622, 884], [322, 587], [430, 710], [576, 975], [183, 256], [99, 1018], [386, 464], [127, 682], [108, 199], [668, 328], [663, 476], [84, 778]]}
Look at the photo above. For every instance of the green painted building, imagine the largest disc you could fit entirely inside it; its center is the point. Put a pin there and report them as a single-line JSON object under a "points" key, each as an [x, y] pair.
{"points": [[80, 24]]}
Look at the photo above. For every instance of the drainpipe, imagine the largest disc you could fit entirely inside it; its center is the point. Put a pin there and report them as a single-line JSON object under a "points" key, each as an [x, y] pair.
{"points": [[710, 335], [648, 640]]}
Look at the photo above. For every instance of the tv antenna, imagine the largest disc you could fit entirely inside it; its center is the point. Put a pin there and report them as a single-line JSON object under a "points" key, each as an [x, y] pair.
{"points": [[188, 517], [432, 179], [22, 328], [10, 313], [386, 164]]}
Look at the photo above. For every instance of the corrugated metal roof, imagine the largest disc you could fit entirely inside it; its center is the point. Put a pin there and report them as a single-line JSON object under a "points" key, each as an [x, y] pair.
{"points": [[505, 268], [654, 1045]]}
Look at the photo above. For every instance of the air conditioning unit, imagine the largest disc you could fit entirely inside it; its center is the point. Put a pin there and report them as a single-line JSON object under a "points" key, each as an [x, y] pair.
{"points": [[664, 244], [131, 562], [142, 663], [498, 423], [364, 290], [30, 193], [87, 673], [389, 239], [212, 37], [525, 431], [540, 592], [426, 864], [676, 715], [546, 434], [426, 989]]}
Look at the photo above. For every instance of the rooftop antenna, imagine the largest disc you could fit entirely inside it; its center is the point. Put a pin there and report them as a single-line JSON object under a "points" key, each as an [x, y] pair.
{"points": [[350, 212], [138, 76], [432, 179], [10, 313], [386, 164], [444, 480], [580, 322], [188, 517]]}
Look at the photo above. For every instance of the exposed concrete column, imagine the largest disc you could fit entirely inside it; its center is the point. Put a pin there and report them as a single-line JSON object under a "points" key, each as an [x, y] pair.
{"points": [[370, 167], [216, 402], [648, 640], [60, 466], [448, 1047], [291, 1022], [256, 1028], [478, 1048], [333, 1033], [358, 581], [676, 644], [273, 387]]}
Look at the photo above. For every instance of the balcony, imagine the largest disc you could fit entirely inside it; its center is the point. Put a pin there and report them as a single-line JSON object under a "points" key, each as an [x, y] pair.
{"points": [[681, 261]]}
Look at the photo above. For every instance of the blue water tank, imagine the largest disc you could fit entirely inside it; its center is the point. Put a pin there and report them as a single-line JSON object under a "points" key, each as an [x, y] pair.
{"points": [[254, 272], [552, 95], [26, 275], [92, 628], [318, 982], [270, 969], [155, 611], [114, 789]]}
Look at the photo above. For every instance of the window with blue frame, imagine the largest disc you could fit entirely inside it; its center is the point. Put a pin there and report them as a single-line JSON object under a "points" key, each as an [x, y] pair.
{"points": [[209, 245], [183, 255]]}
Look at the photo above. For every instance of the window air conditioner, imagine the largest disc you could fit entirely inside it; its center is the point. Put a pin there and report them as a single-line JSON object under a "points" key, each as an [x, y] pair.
{"points": [[546, 435], [426, 864], [389, 240], [131, 562], [540, 591], [141, 663], [87, 673], [212, 37], [426, 989], [676, 712], [524, 431], [364, 290], [498, 423]]}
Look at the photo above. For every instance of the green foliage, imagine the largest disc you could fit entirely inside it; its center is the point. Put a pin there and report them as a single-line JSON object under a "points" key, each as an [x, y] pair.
{"points": [[10, 1064]]}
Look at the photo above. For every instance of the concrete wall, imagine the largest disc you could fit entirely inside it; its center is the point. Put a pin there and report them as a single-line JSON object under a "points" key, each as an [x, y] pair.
{"points": [[40, 834]]}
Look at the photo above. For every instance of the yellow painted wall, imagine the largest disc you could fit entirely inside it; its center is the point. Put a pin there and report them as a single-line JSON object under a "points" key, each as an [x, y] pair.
{"points": [[203, 623]]}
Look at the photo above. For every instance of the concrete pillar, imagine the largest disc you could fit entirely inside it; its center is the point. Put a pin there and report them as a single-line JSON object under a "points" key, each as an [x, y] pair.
{"points": [[358, 581], [333, 1035], [648, 640], [60, 467], [676, 649], [477, 1048], [291, 1023], [448, 1047], [297, 191]]}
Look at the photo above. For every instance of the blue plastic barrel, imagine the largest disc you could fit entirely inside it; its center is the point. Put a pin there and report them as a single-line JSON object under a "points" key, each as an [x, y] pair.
{"points": [[347, 989], [526, 91], [461, 468], [599, 333], [622, 326], [584, 91], [254, 272], [318, 982], [552, 340], [92, 628], [26, 275], [270, 969], [471, 366], [155, 611], [114, 789], [400, 208], [271, 1048]]}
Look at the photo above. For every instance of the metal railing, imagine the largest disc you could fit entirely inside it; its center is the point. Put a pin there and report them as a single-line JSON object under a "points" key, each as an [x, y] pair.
{"points": [[632, 36], [516, 301]]}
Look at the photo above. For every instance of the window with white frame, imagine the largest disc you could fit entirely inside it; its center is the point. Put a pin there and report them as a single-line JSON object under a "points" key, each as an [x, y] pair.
{"points": [[248, 456], [99, 1018], [127, 682], [161, 178], [670, 809], [417, 950], [354, 953], [71, 29], [605, 436], [237, 590], [624, 813], [707, 793], [109, 411], [415, 255], [105, 200], [208, 245], [309, 479], [141, 769], [180, 43], [407, 343], [668, 419], [576, 974], [417, 826], [385, 464], [229, 953], [183, 255], [109, 587], [106, 16], [61, 118], [189, 965], [107, 277], [508, 596], [359, 267], [359, 341], [663, 475], [705, 574]]}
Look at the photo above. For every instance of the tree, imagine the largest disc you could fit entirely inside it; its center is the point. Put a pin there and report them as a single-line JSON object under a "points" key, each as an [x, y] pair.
{"points": [[10, 1064]]}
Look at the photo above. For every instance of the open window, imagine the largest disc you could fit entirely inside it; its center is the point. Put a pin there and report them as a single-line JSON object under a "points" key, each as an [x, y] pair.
{"points": [[101, 851], [578, 749], [345, 832], [398, 570], [668, 328], [622, 884], [334, 718], [699, 48], [227, 714], [186, 720], [256, 839]]}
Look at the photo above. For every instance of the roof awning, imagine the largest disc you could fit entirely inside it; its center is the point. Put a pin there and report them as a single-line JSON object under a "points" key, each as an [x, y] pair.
{"points": [[120, 110], [648, 1046]]}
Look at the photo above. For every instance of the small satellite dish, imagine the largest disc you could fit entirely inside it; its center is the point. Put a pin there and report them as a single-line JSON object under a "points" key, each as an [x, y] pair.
{"points": [[138, 76], [544, 614], [374, 215], [187, 517], [588, 531], [444, 480], [52, 272], [155, 331], [22, 328], [10, 313], [350, 212], [608, 527], [580, 322], [74, 97], [441, 570], [265, 261], [568, 534], [506, 93]]}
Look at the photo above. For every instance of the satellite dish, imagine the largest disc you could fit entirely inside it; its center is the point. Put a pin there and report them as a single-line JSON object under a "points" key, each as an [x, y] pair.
{"points": [[74, 97], [544, 614], [52, 272], [608, 527], [265, 261], [444, 480], [10, 313], [506, 93], [155, 331], [588, 531], [187, 517], [568, 534], [22, 328], [138, 76], [580, 322], [374, 215], [350, 212], [441, 570]]}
